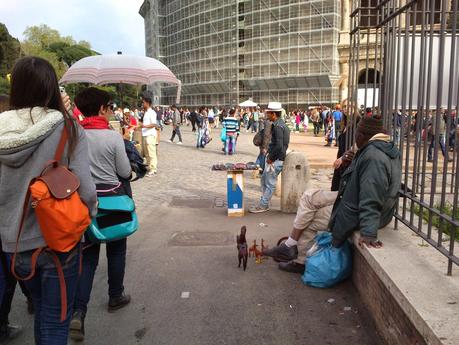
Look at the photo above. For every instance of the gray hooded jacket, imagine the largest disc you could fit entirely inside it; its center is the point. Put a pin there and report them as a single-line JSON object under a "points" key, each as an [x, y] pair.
{"points": [[28, 139]]}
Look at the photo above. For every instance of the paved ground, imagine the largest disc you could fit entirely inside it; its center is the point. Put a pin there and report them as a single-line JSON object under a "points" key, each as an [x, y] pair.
{"points": [[191, 248]]}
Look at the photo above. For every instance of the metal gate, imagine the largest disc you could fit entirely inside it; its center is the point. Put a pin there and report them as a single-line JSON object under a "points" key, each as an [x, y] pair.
{"points": [[404, 66]]}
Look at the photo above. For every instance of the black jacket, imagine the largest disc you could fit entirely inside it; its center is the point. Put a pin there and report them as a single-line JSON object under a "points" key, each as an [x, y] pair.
{"points": [[280, 138], [368, 192]]}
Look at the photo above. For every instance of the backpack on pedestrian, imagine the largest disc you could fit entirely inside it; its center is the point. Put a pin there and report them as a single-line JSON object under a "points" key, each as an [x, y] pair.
{"points": [[60, 212]]}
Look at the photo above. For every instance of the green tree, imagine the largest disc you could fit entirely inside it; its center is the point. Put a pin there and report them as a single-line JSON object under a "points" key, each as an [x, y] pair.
{"points": [[10, 51], [41, 36]]}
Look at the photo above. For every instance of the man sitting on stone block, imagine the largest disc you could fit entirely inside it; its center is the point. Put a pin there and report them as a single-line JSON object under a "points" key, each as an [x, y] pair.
{"points": [[366, 199]]}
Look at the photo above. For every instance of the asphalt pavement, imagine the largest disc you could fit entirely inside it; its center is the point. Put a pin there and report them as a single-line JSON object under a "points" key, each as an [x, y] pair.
{"points": [[182, 269]]}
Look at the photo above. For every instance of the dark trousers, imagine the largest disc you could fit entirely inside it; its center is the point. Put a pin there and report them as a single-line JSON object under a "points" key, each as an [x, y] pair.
{"points": [[45, 291], [316, 128], [176, 131], [116, 261], [441, 140], [193, 124], [337, 130]]}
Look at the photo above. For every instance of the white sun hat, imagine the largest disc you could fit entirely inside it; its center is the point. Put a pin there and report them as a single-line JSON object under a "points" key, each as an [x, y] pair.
{"points": [[274, 106]]}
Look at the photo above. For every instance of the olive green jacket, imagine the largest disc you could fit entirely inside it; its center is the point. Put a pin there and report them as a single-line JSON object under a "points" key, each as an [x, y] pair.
{"points": [[368, 190]]}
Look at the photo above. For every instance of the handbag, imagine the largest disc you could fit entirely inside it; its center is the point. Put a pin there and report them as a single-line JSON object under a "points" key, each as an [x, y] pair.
{"points": [[223, 134], [116, 219], [327, 265]]}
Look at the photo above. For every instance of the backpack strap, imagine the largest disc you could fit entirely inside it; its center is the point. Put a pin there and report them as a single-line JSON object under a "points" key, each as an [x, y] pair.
{"points": [[62, 142]]}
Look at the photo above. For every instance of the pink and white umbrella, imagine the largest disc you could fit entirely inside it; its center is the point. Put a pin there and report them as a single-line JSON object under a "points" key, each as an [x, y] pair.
{"points": [[114, 69]]}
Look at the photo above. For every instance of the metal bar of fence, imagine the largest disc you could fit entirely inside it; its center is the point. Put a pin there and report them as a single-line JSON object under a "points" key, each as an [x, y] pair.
{"points": [[409, 40]]}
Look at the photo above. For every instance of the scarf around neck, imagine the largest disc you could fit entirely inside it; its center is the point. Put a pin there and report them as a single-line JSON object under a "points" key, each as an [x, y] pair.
{"points": [[95, 122]]}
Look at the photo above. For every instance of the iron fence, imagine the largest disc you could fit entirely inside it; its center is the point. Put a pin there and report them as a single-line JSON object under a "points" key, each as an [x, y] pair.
{"points": [[404, 66]]}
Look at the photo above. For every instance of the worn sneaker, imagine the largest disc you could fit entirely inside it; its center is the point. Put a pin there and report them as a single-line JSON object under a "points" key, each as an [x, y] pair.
{"points": [[179, 143], [118, 302], [258, 209], [282, 252], [170, 141], [76, 328], [292, 267]]}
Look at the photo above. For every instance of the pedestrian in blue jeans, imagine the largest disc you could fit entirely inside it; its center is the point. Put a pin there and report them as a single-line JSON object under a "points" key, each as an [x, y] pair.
{"points": [[110, 167], [29, 136], [277, 151]]}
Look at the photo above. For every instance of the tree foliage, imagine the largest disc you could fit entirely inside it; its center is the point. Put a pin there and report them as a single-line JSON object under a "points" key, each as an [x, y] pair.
{"points": [[10, 51], [60, 51]]}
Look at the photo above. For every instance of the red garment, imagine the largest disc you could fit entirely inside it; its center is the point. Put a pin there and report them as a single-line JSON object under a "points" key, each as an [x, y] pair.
{"points": [[95, 122]]}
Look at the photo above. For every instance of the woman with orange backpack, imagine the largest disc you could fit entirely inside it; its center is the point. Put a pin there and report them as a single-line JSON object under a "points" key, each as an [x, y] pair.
{"points": [[39, 133]]}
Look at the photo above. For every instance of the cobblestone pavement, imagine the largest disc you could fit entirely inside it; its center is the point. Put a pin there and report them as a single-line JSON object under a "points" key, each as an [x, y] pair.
{"points": [[182, 269], [185, 171]]}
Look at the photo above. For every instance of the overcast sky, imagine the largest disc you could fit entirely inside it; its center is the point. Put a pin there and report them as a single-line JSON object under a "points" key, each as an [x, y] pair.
{"points": [[109, 25]]}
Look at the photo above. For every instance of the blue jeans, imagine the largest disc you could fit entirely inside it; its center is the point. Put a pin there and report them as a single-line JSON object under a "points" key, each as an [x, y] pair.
{"points": [[230, 139], [45, 291], [261, 160], [116, 261], [269, 180]]}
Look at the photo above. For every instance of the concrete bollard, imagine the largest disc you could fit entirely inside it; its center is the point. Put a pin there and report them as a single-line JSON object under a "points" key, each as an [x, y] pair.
{"points": [[295, 177]]}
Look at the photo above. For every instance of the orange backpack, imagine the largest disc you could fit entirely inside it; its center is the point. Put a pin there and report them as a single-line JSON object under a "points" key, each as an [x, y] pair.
{"points": [[62, 216]]}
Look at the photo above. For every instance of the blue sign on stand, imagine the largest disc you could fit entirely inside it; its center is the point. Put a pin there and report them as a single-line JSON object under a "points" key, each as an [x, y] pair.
{"points": [[235, 193]]}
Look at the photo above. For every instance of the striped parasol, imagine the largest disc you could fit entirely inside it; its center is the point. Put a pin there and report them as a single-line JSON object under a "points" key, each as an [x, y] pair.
{"points": [[114, 69]]}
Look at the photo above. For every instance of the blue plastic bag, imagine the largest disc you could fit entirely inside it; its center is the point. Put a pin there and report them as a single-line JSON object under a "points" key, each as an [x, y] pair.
{"points": [[328, 265]]}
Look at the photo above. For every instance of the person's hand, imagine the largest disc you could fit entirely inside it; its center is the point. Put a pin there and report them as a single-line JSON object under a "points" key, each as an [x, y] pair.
{"points": [[370, 242], [348, 156], [337, 163], [66, 101]]}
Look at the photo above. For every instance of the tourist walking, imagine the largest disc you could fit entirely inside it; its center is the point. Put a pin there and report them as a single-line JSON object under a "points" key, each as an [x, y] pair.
{"points": [[231, 125], [29, 137], [109, 164], [175, 125]]}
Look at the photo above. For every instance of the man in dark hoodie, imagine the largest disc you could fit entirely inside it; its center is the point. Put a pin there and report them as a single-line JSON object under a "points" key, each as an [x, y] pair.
{"points": [[366, 198]]}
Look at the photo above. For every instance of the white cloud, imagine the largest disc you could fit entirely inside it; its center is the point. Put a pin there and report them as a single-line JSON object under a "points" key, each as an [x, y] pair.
{"points": [[109, 25]]}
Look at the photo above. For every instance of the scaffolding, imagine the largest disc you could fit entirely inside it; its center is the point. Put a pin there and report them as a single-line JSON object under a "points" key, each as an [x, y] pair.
{"points": [[225, 51]]}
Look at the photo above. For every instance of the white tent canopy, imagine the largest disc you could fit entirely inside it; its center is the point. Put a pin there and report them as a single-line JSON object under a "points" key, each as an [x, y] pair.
{"points": [[248, 103], [114, 69]]}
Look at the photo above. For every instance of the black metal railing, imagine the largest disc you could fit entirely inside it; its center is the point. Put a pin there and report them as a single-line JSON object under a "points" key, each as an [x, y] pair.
{"points": [[404, 66]]}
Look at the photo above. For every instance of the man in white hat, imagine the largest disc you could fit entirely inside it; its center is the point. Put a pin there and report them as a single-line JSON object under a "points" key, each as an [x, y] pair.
{"points": [[277, 150]]}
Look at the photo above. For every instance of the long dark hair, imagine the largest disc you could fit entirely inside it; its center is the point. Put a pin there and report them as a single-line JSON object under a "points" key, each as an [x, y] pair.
{"points": [[34, 84]]}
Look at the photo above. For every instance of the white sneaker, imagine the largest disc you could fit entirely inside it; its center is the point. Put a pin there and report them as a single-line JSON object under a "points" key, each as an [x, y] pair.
{"points": [[179, 143], [151, 173], [170, 141]]}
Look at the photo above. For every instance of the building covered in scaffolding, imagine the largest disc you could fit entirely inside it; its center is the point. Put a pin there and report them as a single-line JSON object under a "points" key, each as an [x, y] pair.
{"points": [[226, 51]]}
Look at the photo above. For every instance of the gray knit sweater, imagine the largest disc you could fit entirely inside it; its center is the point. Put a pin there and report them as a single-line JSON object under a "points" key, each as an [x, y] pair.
{"points": [[28, 139]]}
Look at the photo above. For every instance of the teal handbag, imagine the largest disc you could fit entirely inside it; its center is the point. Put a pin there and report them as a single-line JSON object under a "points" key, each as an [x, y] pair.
{"points": [[223, 134], [116, 219]]}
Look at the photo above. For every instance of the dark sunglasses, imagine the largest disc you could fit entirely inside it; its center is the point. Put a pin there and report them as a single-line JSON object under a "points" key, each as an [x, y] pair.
{"points": [[111, 105]]}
